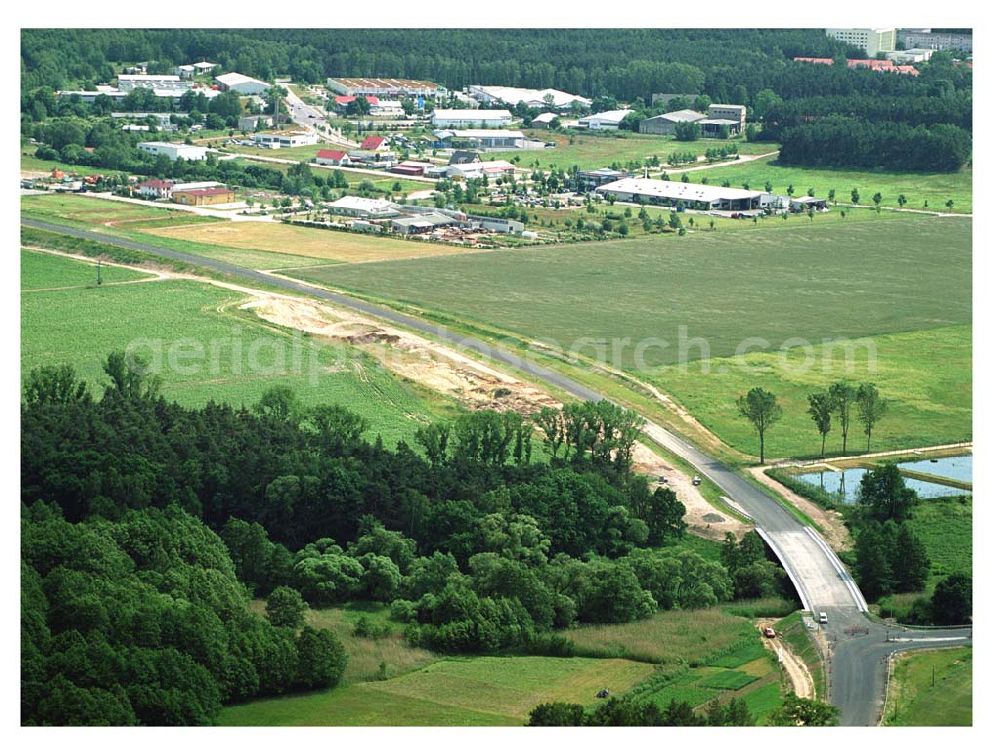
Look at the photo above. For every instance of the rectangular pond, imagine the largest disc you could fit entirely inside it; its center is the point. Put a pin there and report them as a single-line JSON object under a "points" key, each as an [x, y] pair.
{"points": [[956, 468], [845, 484]]}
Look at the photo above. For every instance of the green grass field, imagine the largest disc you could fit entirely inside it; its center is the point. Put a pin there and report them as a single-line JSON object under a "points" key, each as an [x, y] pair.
{"points": [[670, 637], [596, 151], [926, 377], [905, 281], [936, 189], [931, 689], [239, 358], [454, 691], [40, 271]]}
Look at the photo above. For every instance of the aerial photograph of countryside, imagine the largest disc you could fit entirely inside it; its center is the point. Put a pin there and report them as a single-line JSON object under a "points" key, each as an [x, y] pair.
{"points": [[495, 377]]}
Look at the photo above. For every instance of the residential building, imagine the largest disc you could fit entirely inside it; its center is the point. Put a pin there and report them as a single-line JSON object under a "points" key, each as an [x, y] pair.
{"points": [[872, 41], [206, 196], [501, 140], [162, 119], [160, 82], [284, 139], [205, 67], [936, 40], [156, 188], [332, 158], [735, 112], [241, 84], [363, 207], [588, 181], [547, 98], [185, 71], [664, 124], [497, 224], [482, 118], [463, 157], [174, 151], [375, 143], [388, 88], [682, 194], [605, 120], [879, 66]]}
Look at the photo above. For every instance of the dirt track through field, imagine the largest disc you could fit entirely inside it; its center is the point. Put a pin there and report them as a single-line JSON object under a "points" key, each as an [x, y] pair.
{"points": [[444, 370], [793, 665]]}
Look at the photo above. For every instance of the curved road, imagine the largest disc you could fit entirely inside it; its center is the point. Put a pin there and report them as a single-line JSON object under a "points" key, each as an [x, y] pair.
{"points": [[857, 646]]}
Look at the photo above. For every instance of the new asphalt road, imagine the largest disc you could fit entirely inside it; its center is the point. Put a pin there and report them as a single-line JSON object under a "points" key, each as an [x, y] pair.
{"points": [[857, 646]]}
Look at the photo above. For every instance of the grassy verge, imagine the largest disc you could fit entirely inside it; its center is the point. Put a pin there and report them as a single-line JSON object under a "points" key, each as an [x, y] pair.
{"points": [[796, 637], [931, 689]]}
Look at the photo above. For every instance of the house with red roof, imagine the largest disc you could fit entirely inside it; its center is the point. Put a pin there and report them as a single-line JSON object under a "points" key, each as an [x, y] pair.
{"points": [[374, 143], [155, 188], [332, 158], [342, 101]]}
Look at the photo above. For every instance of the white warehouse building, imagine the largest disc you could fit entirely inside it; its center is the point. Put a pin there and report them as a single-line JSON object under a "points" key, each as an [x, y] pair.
{"points": [[174, 151], [471, 118], [682, 194], [241, 84], [284, 139], [605, 120]]}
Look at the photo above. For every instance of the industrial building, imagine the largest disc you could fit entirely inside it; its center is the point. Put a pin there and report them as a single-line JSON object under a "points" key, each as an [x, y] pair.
{"points": [[363, 207], [733, 112], [588, 181], [910, 56], [478, 170], [204, 196], [682, 194], [502, 140], [664, 124], [411, 168], [605, 120], [253, 121], [161, 82], [545, 119], [483, 118], [547, 98], [421, 223], [386, 88], [872, 41], [241, 84], [496, 224], [284, 139], [174, 151]]}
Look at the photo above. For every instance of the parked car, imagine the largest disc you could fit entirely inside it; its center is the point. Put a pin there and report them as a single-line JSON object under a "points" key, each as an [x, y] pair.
{"points": [[769, 632], [822, 618], [696, 480]]}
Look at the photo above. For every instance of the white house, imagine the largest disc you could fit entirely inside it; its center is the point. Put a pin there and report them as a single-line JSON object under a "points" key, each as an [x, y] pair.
{"points": [[332, 158], [482, 118], [605, 120], [174, 151], [241, 84]]}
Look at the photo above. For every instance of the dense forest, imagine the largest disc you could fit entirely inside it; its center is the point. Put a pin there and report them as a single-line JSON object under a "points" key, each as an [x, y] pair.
{"points": [[147, 527]]}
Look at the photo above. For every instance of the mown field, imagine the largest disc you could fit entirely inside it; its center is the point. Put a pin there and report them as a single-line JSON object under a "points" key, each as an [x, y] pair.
{"points": [[931, 689], [597, 151], [205, 348], [92, 211], [925, 375], [320, 244], [936, 189], [451, 691], [906, 282]]}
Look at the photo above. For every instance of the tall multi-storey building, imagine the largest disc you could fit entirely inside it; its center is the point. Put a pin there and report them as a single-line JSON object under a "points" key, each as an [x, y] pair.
{"points": [[872, 41]]}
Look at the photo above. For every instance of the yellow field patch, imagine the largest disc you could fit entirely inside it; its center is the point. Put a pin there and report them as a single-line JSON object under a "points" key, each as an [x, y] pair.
{"points": [[336, 246]]}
